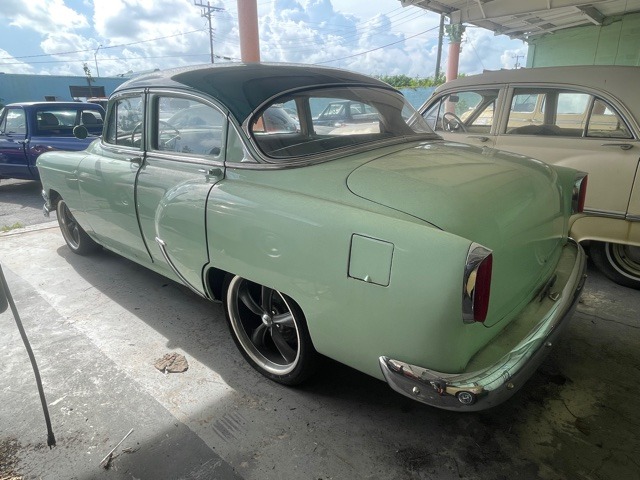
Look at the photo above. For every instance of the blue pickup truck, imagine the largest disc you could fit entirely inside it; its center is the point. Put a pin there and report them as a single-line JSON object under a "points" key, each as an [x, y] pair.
{"points": [[30, 129]]}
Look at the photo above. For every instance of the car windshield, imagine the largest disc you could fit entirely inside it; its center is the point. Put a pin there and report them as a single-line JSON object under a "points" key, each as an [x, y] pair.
{"points": [[313, 122]]}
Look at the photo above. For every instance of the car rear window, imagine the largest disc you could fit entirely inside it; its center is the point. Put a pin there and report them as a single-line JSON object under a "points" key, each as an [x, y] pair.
{"points": [[313, 122]]}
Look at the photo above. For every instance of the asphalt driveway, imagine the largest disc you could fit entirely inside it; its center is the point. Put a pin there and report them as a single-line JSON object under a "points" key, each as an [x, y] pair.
{"points": [[98, 324]]}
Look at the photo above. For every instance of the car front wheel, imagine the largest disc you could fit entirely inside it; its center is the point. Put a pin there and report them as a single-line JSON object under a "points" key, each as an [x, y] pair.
{"points": [[269, 330], [77, 239], [620, 263]]}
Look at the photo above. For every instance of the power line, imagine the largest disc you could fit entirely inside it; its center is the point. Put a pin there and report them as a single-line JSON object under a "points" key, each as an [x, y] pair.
{"points": [[374, 49], [103, 48]]}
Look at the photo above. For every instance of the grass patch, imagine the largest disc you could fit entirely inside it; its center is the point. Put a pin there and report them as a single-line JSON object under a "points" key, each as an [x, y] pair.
{"points": [[7, 228]]}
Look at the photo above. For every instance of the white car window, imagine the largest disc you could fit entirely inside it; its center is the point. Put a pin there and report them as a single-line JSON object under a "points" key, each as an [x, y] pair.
{"points": [[573, 114], [605, 122], [468, 111]]}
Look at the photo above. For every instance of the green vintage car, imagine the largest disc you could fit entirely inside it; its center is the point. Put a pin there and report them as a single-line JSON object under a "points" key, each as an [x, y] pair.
{"points": [[442, 268]]}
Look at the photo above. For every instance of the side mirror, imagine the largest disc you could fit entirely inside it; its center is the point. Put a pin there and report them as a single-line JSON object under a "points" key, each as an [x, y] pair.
{"points": [[80, 131]]}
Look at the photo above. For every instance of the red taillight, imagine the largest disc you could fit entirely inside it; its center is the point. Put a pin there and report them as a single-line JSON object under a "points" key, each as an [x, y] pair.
{"points": [[477, 284], [579, 193], [482, 290]]}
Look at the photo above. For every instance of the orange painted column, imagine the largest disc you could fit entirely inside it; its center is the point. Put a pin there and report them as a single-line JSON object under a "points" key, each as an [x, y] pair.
{"points": [[249, 37], [453, 61], [455, 39]]}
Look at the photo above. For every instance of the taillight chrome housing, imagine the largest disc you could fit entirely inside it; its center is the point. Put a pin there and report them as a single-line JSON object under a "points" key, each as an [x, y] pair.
{"points": [[476, 287], [579, 193]]}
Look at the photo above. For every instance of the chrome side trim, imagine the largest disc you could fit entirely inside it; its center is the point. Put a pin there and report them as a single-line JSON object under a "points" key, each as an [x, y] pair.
{"points": [[490, 386], [633, 218], [604, 213], [163, 248]]}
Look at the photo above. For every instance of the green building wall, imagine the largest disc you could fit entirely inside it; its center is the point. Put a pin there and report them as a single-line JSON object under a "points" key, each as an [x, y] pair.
{"points": [[616, 42]]}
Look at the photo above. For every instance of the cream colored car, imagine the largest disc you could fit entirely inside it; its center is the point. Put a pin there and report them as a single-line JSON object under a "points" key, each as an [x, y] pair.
{"points": [[584, 117]]}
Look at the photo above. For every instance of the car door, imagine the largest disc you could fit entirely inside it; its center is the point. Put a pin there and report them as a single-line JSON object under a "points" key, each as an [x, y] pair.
{"points": [[467, 116], [581, 130], [184, 160], [13, 138], [107, 177]]}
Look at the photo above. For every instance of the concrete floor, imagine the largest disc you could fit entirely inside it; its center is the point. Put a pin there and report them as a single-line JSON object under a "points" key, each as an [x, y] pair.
{"points": [[97, 325]]}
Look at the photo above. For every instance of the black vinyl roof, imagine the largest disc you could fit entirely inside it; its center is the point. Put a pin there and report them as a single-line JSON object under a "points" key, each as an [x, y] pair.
{"points": [[243, 87]]}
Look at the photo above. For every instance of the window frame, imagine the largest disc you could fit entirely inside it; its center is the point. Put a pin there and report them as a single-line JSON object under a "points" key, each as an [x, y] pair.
{"points": [[617, 106], [152, 117], [112, 114]]}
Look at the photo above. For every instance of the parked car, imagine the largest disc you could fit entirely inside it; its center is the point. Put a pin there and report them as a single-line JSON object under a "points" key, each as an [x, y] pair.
{"points": [[30, 129], [585, 117], [441, 268], [343, 112]]}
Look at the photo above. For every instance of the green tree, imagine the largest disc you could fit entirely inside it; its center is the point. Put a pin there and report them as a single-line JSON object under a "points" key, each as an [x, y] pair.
{"points": [[404, 81]]}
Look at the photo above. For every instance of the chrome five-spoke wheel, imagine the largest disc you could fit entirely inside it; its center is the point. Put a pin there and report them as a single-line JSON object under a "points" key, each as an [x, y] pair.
{"points": [[270, 331]]}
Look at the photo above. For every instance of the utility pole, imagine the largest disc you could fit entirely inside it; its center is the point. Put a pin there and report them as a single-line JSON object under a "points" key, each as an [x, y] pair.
{"points": [[207, 12], [439, 56], [517, 57]]}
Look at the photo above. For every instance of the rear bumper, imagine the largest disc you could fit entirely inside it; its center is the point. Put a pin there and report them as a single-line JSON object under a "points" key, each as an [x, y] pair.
{"points": [[479, 389]]}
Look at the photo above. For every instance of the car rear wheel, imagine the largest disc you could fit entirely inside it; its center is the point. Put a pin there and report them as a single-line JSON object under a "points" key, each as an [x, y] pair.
{"points": [[77, 239], [269, 330], [620, 263]]}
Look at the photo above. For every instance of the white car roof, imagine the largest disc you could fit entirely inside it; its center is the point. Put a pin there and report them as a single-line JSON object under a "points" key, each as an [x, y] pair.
{"points": [[620, 82]]}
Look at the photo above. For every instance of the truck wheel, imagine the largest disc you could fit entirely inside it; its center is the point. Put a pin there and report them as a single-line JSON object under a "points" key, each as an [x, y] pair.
{"points": [[618, 262], [77, 239], [269, 330]]}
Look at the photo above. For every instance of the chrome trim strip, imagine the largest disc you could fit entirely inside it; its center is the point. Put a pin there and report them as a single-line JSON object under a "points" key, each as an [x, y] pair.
{"points": [[604, 213], [485, 388], [163, 248], [633, 218]]}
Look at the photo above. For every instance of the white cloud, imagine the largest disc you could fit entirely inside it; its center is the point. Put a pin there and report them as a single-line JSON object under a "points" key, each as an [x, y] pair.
{"points": [[139, 35], [482, 50], [45, 17], [9, 64]]}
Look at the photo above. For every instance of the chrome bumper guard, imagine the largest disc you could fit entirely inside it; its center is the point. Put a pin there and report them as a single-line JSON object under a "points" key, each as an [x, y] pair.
{"points": [[492, 385], [47, 207]]}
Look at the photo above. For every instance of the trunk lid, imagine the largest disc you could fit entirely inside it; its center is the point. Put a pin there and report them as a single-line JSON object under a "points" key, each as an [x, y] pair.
{"points": [[504, 202]]}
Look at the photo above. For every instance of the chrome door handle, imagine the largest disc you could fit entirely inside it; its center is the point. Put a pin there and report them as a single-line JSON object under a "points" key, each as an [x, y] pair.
{"points": [[137, 160], [211, 172], [480, 138], [623, 146]]}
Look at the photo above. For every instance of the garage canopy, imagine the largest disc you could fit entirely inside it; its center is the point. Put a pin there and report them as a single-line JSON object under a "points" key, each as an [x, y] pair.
{"points": [[526, 18]]}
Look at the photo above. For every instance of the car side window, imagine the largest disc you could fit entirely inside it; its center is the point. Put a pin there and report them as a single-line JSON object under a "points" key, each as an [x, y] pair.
{"points": [[125, 126], [564, 113], [14, 122], [467, 111], [605, 122], [187, 126]]}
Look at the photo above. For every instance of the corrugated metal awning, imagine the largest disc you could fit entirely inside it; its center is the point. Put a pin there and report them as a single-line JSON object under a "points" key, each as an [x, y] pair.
{"points": [[527, 18]]}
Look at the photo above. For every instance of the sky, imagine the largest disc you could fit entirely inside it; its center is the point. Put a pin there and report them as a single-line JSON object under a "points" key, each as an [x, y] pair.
{"points": [[115, 37]]}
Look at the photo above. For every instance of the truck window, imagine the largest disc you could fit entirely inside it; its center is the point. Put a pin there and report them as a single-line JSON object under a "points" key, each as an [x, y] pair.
{"points": [[14, 122]]}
